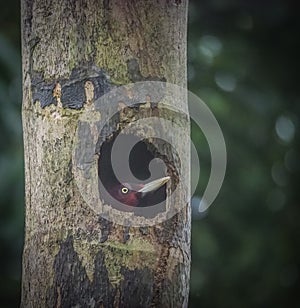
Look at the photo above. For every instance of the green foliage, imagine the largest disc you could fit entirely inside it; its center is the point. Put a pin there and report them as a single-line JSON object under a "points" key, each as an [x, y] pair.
{"points": [[11, 171], [243, 62]]}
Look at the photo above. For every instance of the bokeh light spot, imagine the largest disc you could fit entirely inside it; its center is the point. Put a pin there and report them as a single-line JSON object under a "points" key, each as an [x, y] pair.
{"points": [[285, 128]]}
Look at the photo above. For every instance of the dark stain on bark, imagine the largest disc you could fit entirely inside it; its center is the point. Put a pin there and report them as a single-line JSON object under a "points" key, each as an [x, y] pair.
{"points": [[72, 286], [72, 89], [137, 288]]}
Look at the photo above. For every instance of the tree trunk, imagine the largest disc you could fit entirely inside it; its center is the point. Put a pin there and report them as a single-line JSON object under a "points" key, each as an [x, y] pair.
{"points": [[73, 53]]}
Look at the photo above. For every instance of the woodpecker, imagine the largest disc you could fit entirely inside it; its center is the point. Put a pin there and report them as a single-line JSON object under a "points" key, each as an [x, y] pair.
{"points": [[135, 194]]}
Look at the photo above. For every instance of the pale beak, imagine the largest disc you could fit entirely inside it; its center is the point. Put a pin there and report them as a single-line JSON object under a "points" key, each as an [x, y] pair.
{"points": [[154, 185]]}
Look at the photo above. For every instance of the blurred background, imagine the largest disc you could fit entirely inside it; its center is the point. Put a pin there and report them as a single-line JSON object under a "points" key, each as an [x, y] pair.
{"points": [[243, 62]]}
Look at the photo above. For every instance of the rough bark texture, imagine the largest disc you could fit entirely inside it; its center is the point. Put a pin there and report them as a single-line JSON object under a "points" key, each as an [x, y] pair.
{"points": [[73, 256]]}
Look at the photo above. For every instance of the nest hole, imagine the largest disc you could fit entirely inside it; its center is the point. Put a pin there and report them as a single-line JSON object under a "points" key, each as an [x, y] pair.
{"points": [[144, 162]]}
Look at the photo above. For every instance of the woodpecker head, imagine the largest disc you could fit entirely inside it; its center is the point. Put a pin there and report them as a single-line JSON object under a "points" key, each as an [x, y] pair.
{"points": [[134, 194]]}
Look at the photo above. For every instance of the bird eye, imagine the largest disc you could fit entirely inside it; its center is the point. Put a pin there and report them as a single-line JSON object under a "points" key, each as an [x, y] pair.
{"points": [[124, 190]]}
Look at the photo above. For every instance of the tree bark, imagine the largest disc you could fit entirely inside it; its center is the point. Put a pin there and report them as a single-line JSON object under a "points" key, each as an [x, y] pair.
{"points": [[72, 255]]}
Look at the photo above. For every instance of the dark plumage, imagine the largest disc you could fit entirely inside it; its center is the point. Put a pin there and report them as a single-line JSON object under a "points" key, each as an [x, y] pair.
{"points": [[136, 195]]}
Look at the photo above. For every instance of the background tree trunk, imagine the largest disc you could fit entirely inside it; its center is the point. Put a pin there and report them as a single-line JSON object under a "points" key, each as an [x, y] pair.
{"points": [[73, 256]]}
